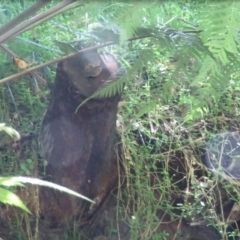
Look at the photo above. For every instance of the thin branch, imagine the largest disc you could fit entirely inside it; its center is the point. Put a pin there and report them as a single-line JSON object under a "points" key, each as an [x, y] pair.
{"points": [[169, 21], [30, 70], [36, 75], [22, 16], [17, 29], [7, 50], [15, 76], [51, 15]]}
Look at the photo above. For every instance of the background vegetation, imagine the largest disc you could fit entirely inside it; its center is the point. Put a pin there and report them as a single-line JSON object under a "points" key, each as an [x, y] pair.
{"points": [[181, 88]]}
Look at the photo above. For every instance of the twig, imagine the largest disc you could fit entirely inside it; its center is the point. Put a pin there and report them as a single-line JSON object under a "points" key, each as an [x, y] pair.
{"points": [[22, 16], [24, 25], [184, 146], [15, 76], [36, 75], [170, 20], [30, 70]]}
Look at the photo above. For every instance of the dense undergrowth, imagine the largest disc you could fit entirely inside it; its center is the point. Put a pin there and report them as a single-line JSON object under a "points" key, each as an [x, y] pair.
{"points": [[183, 91]]}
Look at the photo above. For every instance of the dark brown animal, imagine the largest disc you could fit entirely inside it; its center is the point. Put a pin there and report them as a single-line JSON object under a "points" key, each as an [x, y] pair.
{"points": [[80, 147]]}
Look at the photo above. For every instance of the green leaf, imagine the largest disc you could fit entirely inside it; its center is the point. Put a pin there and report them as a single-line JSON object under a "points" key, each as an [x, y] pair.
{"points": [[9, 182], [7, 197], [114, 84], [209, 67], [220, 23], [10, 131], [40, 182], [66, 48]]}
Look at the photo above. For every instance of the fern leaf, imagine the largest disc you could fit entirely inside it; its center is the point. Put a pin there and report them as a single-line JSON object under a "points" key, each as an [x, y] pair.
{"points": [[209, 67], [220, 22], [114, 85]]}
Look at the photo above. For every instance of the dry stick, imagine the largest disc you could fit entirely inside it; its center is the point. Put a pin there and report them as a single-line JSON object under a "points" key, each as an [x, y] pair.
{"points": [[51, 14], [36, 75], [17, 29], [15, 76], [22, 16], [9, 51], [30, 70]]}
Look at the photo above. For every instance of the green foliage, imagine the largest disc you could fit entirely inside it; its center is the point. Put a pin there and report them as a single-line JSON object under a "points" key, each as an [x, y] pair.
{"points": [[220, 22], [184, 72], [10, 198], [48, 184], [7, 197], [10, 131], [115, 84]]}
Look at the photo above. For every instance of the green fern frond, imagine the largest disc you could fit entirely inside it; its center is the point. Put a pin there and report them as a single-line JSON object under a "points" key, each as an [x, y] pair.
{"points": [[129, 20], [114, 85], [125, 23], [92, 9], [220, 21], [209, 68]]}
